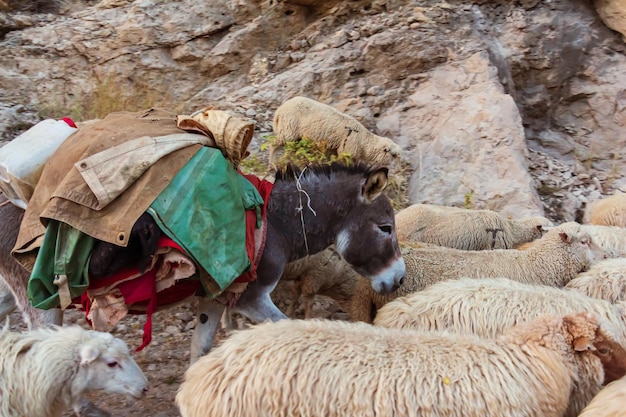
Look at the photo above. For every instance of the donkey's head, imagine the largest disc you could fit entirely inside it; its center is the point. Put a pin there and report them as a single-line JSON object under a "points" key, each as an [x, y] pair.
{"points": [[367, 237]]}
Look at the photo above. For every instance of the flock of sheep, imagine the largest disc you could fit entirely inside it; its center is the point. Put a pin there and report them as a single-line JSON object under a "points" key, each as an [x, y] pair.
{"points": [[496, 316]]}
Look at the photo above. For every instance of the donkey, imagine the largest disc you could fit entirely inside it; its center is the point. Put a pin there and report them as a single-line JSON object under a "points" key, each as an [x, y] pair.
{"points": [[309, 209]]}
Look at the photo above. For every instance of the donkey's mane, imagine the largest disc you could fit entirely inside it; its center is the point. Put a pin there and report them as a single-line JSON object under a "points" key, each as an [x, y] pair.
{"points": [[291, 172]]}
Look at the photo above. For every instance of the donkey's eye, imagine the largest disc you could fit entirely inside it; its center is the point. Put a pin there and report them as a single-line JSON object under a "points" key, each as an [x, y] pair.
{"points": [[386, 228], [112, 364], [603, 351]]}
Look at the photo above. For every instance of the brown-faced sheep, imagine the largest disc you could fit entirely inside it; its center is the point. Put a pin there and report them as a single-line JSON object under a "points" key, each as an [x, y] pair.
{"points": [[608, 211], [47, 371], [609, 402], [488, 307], [605, 280], [466, 229], [554, 260], [301, 117], [336, 369], [324, 273]]}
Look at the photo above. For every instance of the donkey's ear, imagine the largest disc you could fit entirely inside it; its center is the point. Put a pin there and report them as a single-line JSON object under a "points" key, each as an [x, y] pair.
{"points": [[375, 184]]}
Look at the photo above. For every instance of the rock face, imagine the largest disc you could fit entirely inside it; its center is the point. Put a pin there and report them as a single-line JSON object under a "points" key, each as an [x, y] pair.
{"points": [[514, 106], [613, 14]]}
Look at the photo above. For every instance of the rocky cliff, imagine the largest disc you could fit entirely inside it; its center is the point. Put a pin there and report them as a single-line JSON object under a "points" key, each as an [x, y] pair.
{"points": [[516, 106]]}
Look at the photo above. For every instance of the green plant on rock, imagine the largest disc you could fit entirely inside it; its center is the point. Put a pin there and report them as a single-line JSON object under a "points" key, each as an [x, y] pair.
{"points": [[467, 200], [254, 165], [307, 151]]}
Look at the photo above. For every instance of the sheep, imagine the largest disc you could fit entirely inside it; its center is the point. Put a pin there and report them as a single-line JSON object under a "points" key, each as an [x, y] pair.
{"points": [[47, 371], [301, 117], [608, 211], [554, 260], [609, 402], [466, 229], [488, 307], [605, 280], [611, 239], [325, 273], [336, 368]]}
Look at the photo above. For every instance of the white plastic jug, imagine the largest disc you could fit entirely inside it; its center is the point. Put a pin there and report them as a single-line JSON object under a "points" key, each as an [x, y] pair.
{"points": [[23, 159]]}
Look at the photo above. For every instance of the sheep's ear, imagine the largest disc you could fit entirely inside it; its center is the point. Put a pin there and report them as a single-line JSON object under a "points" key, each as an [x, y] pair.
{"points": [[88, 354], [565, 237], [375, 184], [583, 344]]}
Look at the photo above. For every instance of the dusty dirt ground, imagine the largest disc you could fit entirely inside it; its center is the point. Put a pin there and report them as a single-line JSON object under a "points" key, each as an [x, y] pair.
{"points": [[166, 358]]}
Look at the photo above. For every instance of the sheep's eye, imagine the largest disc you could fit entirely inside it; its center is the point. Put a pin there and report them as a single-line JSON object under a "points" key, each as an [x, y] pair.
{"points": [[603, 351], [112, 364], [386, 228]]}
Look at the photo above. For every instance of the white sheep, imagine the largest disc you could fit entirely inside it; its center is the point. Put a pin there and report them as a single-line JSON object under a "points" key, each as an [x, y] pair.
{"points": [[611, 239], [605, 280], [301, 117], [336, 369], [609, 402], [553, 260], [488, 307], [460, 228], [47, 371], [608, 211]]}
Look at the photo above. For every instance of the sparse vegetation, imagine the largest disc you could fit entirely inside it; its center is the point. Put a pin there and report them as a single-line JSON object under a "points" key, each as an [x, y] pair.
{"points": [[253, 164], [307, 151], [111, 95], [467, 200]]}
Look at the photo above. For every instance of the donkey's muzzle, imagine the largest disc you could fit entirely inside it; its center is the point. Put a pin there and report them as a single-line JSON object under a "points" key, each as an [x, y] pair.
{"points": [[391, 279]]}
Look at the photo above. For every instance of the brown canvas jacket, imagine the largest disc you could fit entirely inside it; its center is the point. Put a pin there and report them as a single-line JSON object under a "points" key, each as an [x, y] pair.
{"points": [[63, 195]]}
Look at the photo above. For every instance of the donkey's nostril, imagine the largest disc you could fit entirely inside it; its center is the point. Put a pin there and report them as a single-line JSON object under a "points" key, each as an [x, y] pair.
{"points": [[401, 282]]}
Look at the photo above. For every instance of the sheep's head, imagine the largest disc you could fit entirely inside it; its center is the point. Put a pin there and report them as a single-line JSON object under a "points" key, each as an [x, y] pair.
{"points": [[587, 335], [578, 242], [612, 355], [106, 364], [382, 151], [539, 225]]}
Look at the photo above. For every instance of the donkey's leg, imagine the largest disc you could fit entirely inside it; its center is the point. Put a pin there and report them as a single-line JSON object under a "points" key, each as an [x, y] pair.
{"points": [[256, 303], [208, 319]]}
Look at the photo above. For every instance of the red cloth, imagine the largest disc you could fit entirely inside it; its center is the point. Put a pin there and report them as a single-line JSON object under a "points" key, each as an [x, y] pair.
{"points": [[141, 291], [265, 189], [70, 122]]}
